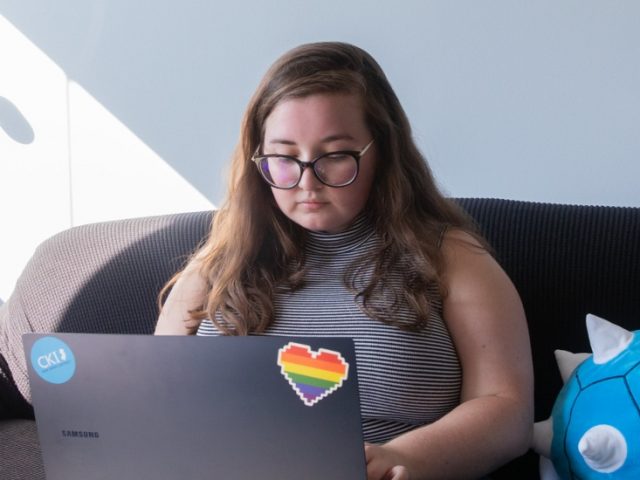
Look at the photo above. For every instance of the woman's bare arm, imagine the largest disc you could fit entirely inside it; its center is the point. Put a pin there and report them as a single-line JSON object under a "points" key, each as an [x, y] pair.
{"points": [[187, 294], [493, 423]]}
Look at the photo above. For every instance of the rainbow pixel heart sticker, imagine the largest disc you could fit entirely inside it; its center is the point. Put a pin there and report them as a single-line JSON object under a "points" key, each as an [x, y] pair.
{"points": [[313, 375]]}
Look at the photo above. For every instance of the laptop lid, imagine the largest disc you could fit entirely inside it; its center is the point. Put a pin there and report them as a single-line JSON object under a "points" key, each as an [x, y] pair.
{"points": [[140, 406]]}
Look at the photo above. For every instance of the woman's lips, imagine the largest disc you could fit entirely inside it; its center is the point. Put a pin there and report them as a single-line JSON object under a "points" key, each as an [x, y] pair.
{"points": [[312, 205]]}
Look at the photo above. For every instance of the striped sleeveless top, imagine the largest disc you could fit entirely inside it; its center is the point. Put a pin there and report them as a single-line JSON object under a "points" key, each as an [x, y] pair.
{"points": [[406, 379]]}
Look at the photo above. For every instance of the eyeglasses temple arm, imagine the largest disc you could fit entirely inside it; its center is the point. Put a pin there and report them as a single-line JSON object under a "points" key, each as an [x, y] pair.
{"points": [[364, 150]]}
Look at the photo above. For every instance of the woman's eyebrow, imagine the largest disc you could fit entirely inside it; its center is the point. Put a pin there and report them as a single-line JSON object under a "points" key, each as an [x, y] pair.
{"points": [[281, 141], [333, 138], [327, 139]]}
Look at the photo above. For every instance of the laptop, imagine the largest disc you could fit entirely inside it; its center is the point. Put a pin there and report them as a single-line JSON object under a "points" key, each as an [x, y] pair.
{"points": [[140, 406]]}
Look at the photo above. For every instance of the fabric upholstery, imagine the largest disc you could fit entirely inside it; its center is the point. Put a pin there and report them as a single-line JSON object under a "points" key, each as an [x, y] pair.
{"points": [[99, 278], [566, 261]]}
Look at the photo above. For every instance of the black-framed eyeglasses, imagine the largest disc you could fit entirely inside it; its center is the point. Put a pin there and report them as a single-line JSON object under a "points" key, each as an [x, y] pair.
{"points": [[334, 169]]}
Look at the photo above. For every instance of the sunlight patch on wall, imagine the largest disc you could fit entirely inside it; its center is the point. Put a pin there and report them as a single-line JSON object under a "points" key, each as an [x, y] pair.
{"points": [[34, 157], [116, 175]]}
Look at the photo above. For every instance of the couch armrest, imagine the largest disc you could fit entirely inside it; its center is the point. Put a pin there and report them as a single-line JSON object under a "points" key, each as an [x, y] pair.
{"points": [[98, 278]]}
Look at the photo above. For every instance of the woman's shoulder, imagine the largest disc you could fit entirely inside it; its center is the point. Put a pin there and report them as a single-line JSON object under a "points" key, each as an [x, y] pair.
{"points": [[467, 257], [454, 239]]}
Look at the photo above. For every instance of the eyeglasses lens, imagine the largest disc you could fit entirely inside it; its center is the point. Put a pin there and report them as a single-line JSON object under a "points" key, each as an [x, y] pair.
{"points": [[336, 169], [280, 171]]}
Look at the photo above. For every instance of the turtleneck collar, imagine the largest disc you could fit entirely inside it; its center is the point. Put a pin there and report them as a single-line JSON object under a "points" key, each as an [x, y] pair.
{"points": [[332, 243]]}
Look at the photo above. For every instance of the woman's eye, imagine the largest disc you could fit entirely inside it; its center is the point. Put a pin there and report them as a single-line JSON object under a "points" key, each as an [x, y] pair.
{"points": [[337, 156]]}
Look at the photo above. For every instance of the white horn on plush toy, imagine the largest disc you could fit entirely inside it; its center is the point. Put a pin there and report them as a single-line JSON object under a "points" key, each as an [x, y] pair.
{"points": [[568, 362], [607, 340], [603, 448], [542, 436]]}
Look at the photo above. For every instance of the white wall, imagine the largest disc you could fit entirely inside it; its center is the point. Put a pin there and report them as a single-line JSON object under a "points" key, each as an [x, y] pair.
{"points": [[134, 107]]}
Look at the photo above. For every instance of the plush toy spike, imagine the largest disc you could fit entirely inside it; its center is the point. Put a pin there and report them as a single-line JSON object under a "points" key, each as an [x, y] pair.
{"points": [[607, 340], [547, 471], [594, 429], [542, 434], [568, 362], [603, 448]]}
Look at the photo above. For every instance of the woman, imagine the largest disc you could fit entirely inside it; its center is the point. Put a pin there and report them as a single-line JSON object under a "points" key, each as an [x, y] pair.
{"points": [[333, 226]]}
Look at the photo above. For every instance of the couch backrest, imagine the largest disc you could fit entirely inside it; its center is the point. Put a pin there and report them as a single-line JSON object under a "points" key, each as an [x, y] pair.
{"points": [[566, 261]]}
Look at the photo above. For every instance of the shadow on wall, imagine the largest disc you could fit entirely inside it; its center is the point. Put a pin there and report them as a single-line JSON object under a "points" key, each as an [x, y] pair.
{"points": [[15, 125]]}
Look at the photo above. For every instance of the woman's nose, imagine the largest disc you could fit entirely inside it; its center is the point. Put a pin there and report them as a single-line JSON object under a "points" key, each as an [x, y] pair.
{"points": [[309, 181]]}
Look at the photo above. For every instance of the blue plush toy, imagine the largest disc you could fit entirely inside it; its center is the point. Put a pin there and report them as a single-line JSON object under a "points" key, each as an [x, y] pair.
{"points": [[594, 430]]}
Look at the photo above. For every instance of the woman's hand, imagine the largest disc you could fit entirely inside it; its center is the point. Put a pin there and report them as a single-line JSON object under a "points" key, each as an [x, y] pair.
{"points": [[384, 464]]}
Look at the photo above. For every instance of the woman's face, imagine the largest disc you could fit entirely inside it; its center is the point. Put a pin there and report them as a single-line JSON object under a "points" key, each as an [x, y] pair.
{"points": [[306, 128]]}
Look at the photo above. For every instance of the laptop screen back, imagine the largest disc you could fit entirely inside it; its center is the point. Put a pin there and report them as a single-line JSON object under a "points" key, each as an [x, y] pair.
{"points": [[131, 406]]}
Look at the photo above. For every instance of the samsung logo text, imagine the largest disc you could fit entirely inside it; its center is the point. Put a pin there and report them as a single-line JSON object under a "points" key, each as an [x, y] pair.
{"points": [[79, 434]]}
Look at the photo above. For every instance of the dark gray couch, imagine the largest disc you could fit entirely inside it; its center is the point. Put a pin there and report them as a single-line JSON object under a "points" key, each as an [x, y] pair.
{"points": [[566, 261]]}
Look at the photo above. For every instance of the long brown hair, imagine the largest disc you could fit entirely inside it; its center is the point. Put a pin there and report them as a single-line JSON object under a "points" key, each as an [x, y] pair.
{"points": [[254, 250]]}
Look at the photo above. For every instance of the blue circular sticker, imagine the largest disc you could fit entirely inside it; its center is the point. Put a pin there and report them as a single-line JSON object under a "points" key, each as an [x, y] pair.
{"points": [[53, 360]]}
